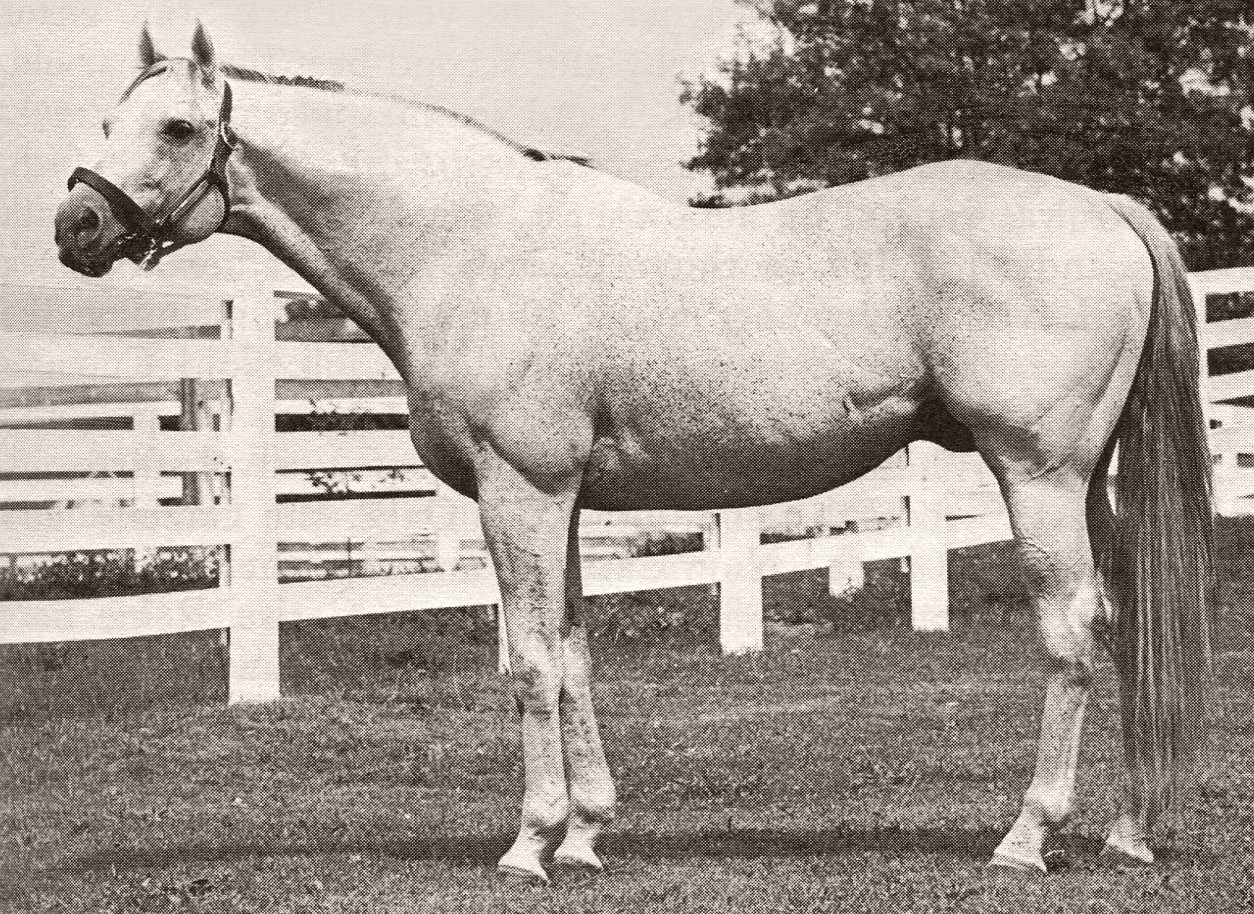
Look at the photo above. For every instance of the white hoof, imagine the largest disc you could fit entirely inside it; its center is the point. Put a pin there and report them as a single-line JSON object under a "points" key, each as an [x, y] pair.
{"points": [[578, 855], [518, 865], [1133, 853], [1127, 842]]}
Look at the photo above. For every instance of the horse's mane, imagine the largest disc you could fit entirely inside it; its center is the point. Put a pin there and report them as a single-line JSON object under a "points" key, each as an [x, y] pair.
{"points": [[247, 74]]}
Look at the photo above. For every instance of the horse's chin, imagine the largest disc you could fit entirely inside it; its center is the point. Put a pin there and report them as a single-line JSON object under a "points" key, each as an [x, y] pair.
{"points": [[94, 267]]}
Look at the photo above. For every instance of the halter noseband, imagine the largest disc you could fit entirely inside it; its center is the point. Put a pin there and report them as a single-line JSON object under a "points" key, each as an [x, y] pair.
{"points": [[145, 239]]}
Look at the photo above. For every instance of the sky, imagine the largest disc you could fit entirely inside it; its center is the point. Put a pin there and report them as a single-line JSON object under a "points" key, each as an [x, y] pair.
{"points": [[597, 77]]}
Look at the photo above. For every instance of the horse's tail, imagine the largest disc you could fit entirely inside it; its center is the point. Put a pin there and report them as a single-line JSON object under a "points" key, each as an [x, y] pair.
{"points": [[1158, 560]]}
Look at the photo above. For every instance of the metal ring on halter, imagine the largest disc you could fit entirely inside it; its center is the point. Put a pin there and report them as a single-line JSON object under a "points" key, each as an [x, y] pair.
{"points": [[146, 240]]}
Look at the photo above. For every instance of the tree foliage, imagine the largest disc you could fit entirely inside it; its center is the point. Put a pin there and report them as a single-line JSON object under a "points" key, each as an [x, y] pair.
{"points": [[1146, 97]]}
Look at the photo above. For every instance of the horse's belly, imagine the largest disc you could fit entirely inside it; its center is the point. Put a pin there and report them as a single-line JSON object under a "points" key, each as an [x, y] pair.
{"points": [[725, 464]]}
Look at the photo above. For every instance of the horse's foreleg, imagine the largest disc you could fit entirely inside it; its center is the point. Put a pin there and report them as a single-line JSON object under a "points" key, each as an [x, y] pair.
{"points": [[526, 531], [591, 788], [1047, 514]]}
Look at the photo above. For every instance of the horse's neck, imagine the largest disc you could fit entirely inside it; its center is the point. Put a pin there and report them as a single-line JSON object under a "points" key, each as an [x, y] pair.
{"points": [[372, 215]]}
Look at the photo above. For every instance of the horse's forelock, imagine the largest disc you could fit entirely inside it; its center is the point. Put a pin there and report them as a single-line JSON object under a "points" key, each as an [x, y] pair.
{"points": [[146, 74]]}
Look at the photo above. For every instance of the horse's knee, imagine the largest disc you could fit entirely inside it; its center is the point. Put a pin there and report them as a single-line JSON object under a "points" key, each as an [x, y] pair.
{"points": [[1068, 600], [537, 683]]}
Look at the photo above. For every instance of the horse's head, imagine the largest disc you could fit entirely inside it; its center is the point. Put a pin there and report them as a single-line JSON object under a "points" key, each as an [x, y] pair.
{"points": [[160, 180]]}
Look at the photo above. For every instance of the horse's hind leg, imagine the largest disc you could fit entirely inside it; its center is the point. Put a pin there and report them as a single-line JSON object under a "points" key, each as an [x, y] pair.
{"points": [[588, 775], [1047, 512], [1128, 835]]}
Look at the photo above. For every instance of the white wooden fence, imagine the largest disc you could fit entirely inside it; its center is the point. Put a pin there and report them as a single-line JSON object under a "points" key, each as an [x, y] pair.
{"points": [[931, 502]]}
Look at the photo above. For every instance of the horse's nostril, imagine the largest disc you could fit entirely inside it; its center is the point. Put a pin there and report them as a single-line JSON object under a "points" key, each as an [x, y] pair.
{"points": [[88, 223]]}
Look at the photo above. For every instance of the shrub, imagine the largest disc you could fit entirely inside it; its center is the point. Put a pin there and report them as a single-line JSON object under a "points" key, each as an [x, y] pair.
{"points": [[681, 612], [334, 482], [666, 543], [77, 575]]}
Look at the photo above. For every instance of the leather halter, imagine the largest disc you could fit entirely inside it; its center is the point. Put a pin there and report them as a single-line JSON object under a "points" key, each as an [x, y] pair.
{"points": [[147, 239]]}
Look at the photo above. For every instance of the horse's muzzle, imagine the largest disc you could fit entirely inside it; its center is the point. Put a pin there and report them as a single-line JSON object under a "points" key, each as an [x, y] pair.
{"points": [[86, 232]]}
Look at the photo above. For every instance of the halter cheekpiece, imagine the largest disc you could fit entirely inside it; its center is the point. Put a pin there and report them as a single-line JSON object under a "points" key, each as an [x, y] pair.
{"points": [[146, 239]]}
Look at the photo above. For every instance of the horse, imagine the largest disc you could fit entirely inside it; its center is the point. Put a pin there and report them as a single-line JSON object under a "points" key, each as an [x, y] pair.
{"points": [[569, 340]]}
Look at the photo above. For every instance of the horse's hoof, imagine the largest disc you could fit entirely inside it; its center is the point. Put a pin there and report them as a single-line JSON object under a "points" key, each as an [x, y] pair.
{"points": [[1005, 863], [522, 871], [578, 859], [1126, 844], [1128, 856]]}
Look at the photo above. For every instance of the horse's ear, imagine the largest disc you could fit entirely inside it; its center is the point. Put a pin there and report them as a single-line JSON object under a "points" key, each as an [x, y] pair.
{"points": [[202, 50], [148, 54]]}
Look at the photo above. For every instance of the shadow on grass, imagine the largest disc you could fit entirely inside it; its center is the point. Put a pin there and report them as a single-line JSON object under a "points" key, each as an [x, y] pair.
{"points": [[743, 844], [964, 846], [755, 843]]}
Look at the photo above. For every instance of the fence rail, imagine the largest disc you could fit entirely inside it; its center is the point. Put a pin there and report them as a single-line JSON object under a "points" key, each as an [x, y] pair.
{"points": [[927, 501]]}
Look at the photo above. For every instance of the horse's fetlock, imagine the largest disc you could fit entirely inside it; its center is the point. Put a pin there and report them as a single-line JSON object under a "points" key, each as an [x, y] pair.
{"points": [[1051, 807], [547, 817], [601, 812], [596, 805]]}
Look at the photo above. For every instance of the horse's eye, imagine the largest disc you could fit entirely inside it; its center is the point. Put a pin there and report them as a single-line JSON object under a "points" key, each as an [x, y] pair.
{"points": [[180, 131], [104, 128]]}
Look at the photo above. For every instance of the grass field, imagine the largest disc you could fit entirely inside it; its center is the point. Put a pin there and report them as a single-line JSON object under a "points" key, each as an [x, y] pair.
{"points": [[850, 767]]}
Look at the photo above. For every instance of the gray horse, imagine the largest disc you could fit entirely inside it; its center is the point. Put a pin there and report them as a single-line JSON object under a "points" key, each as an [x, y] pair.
{"points": [[569, 340]]}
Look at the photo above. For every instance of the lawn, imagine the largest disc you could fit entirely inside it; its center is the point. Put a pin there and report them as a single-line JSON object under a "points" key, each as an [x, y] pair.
{"points": [[850, 767]]}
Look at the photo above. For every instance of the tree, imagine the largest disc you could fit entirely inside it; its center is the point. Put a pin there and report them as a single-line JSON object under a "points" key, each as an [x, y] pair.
{"points": [[1150, 98]]}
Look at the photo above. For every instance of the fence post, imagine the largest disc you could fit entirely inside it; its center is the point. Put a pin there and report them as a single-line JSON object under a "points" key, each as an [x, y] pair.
{"points": [[254, 588], [846, 573], [444, 531], [194, 416], [146, 478], [738, 536], [927, 536]]}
